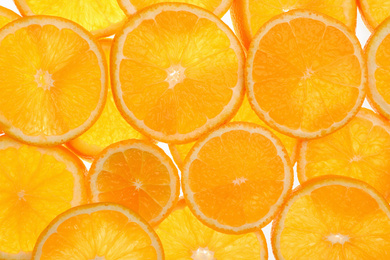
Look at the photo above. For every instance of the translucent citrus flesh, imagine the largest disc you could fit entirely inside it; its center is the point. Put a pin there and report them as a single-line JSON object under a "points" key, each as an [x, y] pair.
{"points": [[7, 16], [382, 72], [374, 12], [102, 18], [184, 70], [110, 128], [184, 237], [359, 150], [334, 221], [36, 185], [306, 76]]}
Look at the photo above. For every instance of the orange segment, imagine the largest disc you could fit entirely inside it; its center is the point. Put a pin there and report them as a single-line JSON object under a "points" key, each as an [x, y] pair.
{"points": [[374, 12], [7, 16], [333, 218], [177, 72], [138, 175], [183, 236], [235, 179], [249, 16], [359, 150], [55, 88], [110, 128], [102, 18], [36, 185], [98, 231], [306, 74]]}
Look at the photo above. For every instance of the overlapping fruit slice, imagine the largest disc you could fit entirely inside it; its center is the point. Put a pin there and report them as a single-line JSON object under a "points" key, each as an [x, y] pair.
{"points": [[36, 185], [177, 72], [183, 236], [236, 178], [374, 12], [306, 74], [7, 16]]}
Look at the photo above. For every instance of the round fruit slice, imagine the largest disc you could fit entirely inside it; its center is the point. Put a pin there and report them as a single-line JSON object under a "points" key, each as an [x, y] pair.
{"points": [[7, 16], [138, 175], [378, 63], [110, 128], [236, 178], [306, 74], [177, 72], [218, 7], [244, 114], [374, 12], [52, 80], [249, 15], [98, 231], [183, 236], [359, 150], [333, 218], [36, 185], [101, 18]]}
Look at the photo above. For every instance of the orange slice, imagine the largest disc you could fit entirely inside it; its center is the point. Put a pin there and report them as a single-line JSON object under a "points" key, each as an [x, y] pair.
{"points": [[177, 72], [218, 7], [378, 63], [244, 114], [333, 218], [7, 16], [36, 185], [374, 12], [52, 80], [138, 175], [359, 150], [306, 74], [98, 231], [249, 15], [102, 18], [183, 236], [110, 128], [236, 178]]}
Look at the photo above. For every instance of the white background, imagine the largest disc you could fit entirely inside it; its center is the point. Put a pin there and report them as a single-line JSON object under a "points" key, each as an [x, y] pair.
{"points": [[362, 33]]}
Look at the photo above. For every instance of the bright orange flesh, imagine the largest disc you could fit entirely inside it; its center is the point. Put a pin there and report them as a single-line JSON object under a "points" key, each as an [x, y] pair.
{"points": [[374, 12], [36, 185], [333, 218], [184, 237], [236, 177], [177, 72], [98, 231], [58, 88], [138, 175], [305, 74], [7, 16]]}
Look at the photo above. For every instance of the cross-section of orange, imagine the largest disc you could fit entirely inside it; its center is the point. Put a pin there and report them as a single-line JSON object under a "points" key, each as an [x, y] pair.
{"points": [[7, 16], [52, 80], [374, 12], [359, 150], [177, 72], [183, 236], [36, 185], [236, 178], [249, 15], [305, 74], [138, 175], [244, 114], [378, 63], [110, 128], [98, 231], [333, 218], [101, 18], [218, 7]]}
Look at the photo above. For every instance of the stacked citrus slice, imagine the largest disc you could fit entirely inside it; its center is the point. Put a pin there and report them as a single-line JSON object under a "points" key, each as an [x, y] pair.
{"points": [[374, 12], [7, 16]]}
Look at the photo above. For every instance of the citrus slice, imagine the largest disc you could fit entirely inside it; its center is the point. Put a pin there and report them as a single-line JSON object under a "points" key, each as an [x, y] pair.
{"points": [[101, 18], [138, 175], [52, 80], [183, 236], [36, 185], [218, 7], [98, 231], [236, 178], [249, 15], [333, 218], [7, 16], [374, 12], [359, 150], [244, 114], [177, 72], [108, 129], [378, 63], [306, 74]]}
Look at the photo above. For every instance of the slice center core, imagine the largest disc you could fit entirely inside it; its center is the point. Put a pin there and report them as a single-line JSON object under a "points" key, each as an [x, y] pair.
{"points": [[21, 195], [44, 80], [176, 74], [137, 184], [338, 238], [240, 180], [202, 254]]}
